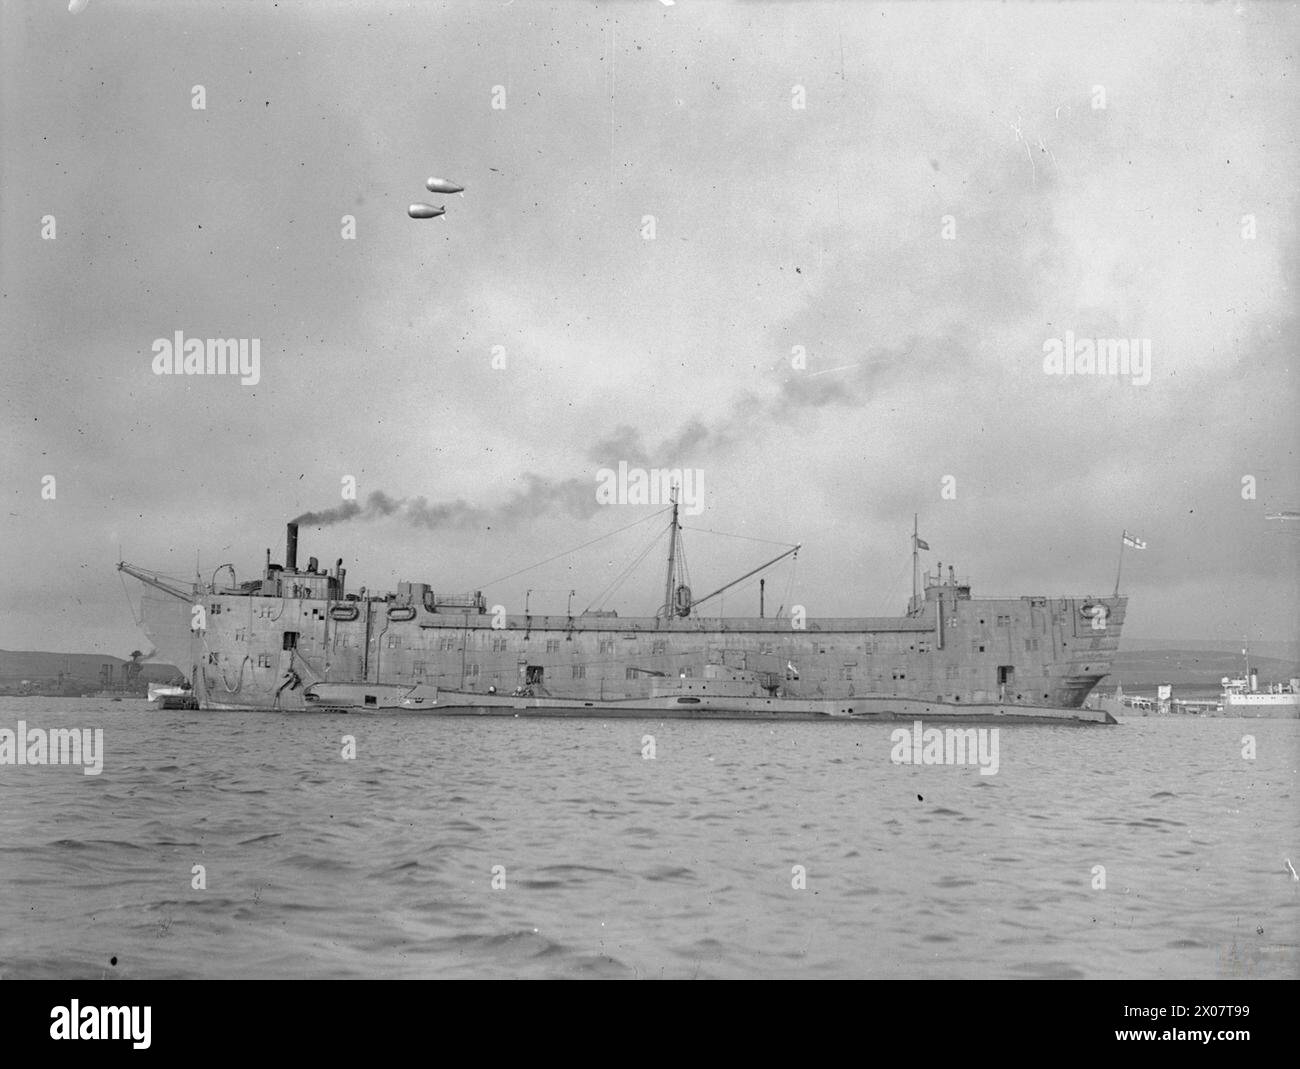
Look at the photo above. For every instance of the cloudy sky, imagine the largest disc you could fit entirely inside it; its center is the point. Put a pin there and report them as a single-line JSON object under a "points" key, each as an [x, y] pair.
{"points": [[664, 207]]}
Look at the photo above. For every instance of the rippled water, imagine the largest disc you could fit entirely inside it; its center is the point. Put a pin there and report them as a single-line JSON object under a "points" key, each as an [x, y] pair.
{"points": [[619, 866]]}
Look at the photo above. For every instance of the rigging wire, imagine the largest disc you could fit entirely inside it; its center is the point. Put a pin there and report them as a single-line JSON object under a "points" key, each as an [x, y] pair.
{"points": [[565, 553], [789, 586], [747, 538], [138, 620], [619, 579], [897, 583]]}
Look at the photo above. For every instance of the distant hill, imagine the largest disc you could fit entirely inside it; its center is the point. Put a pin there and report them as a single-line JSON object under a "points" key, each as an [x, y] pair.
{"points": [[1146, 668], [1286, 651], [17, 665]]}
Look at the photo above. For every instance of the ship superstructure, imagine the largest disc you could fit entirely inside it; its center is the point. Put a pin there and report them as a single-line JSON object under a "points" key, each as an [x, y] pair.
{"points": [[1244, 696], [298, 637]]}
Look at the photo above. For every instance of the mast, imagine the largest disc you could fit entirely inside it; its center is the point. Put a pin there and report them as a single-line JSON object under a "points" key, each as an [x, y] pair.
{"points": [[669, 583], [915, 562]]}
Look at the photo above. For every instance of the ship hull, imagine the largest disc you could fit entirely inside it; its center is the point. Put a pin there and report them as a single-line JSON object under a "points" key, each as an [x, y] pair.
{"points": [[360, 698], [1279, 707], [1015, 659], [1267, 706]]}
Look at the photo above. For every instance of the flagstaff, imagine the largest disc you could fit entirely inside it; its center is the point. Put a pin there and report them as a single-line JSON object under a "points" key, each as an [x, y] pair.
{"points": [[915, 562], [917, 546], [1126, 539], [1122, 539]]}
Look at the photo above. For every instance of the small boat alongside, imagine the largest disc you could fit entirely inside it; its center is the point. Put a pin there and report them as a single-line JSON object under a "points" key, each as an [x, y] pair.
{"points": [[172, 696]]}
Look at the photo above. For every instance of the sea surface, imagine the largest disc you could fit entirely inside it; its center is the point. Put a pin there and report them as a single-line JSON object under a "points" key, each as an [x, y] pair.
{"points": [[612, 864]]}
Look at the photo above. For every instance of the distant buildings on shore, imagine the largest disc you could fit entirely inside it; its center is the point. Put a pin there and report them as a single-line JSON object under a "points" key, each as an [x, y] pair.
{"points": [[69, 675]]}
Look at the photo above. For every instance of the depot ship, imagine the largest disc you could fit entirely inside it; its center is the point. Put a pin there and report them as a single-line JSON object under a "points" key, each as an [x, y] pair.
{"points": [[298, 639]]}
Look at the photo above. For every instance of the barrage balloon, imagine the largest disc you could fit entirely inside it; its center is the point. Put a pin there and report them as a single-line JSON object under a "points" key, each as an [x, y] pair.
{"points": [[441, 185]]}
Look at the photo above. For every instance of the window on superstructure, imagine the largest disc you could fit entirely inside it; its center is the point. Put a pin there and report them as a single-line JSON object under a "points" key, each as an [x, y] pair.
{"points": [[471, 671], [394, 641], [659, 648], [552, 645], [579, 671], [418, 669], [1004, 621], [499, 645], [290, 641], [606, 645]]}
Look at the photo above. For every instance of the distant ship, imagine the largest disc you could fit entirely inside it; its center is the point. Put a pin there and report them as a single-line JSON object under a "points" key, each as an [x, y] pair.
{"points": [[298, 639], [1240, 697], [1243, 696]]}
